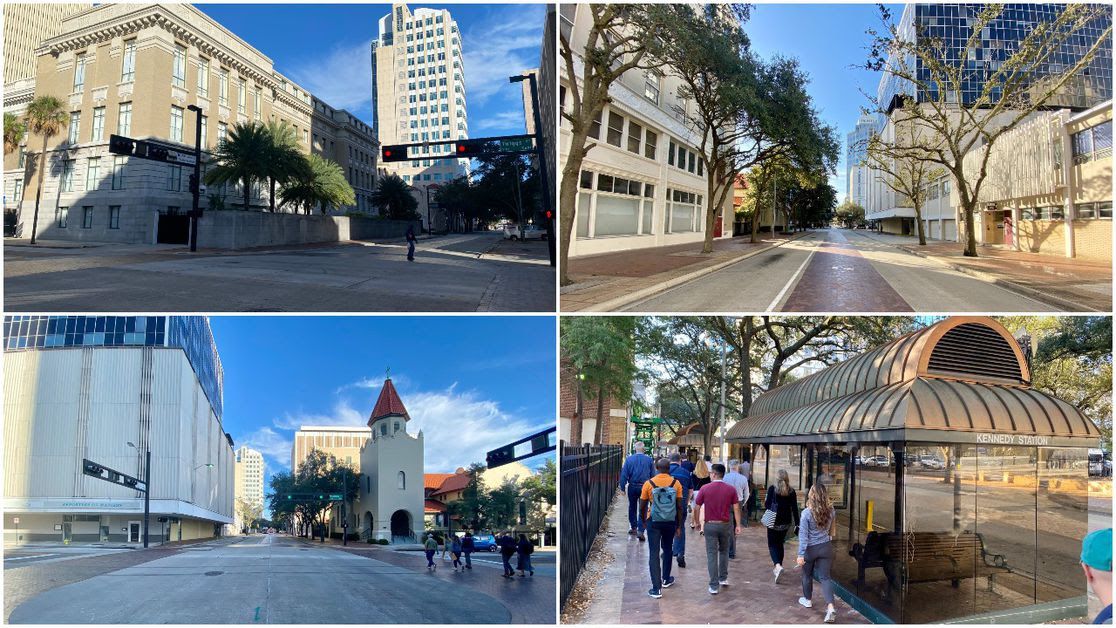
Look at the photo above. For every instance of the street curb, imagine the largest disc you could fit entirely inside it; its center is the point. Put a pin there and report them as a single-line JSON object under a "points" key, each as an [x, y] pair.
{"points": [[1011, 286], [616, 303]]}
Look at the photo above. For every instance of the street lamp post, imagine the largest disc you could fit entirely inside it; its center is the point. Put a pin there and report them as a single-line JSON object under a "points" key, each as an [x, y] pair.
{"points": [[146, 491], [195, 179], [540, 150]]}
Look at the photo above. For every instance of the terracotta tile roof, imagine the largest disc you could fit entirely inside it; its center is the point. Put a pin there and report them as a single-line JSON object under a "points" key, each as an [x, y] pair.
{"points": [[434, 506], [435, 480], [455, 483], [388, 404]]}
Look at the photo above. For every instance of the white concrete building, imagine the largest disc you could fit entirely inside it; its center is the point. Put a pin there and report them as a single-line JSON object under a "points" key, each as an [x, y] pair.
{"points": [[250, 476], [86, 387], [643, 184], [418, 95]]}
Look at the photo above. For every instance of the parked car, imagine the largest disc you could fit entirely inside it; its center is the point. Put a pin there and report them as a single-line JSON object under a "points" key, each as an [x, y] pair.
{"points": [[876, 461], [485, 543], [528, 232], [931, 462]]}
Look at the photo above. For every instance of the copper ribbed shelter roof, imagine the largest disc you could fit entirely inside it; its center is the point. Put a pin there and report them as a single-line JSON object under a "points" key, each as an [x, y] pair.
{"points": [[964, 376]]}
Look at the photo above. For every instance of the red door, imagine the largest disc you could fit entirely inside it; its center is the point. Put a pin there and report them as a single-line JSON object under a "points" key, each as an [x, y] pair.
{"points": [[1009, 236], [717, 227]]}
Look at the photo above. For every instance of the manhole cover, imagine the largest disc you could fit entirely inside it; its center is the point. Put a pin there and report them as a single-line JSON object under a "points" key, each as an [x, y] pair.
{"points": [[214, 573]]}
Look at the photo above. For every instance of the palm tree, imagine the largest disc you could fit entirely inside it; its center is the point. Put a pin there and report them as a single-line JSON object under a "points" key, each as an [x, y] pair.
{"points": [[318, 182], [394, 198], [14, 130], [46, 116], [241, 157], [283, 156]]}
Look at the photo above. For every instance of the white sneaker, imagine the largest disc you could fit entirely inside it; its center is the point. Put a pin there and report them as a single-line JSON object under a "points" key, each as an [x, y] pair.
{"points": [[778, 571], [830, 616], [724, 583], [807, 603], [714, 590]]}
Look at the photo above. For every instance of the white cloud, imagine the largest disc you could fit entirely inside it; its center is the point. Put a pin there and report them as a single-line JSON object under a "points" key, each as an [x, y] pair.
{"points": [[342, 78], [504, 44], [373, 383], [273, 445], [503, 123], [343, 414]]}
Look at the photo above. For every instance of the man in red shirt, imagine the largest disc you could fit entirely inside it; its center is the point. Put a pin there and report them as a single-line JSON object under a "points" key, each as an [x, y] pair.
{"points": [[720, 502]]}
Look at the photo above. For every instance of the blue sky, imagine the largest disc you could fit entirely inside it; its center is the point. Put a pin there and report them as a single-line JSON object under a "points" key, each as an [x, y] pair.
{"points": [[325, 49], [827, 39], [471, 383]]}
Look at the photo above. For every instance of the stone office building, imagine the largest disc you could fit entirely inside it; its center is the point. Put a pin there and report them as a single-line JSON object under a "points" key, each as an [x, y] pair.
{"points": [[109, 389]]}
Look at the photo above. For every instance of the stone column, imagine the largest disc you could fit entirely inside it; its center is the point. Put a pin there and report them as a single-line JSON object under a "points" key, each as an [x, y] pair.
{"points": [[1069, 185]]}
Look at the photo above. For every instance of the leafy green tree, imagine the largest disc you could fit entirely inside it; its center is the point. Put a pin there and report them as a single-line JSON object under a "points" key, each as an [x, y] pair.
{"points": [[456, 197], [249, 512], [850, 214], [541, 492], [46, 116], [505, 186], [242, 157], [502, 505], [957, 122], [395, 198], [283, 158], [318, 182], [470, 510], [598, 352], [14, 130]]}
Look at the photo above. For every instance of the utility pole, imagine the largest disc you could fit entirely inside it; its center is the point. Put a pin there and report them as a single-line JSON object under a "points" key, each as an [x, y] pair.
{"points": [[195, 179], [540, 151]]}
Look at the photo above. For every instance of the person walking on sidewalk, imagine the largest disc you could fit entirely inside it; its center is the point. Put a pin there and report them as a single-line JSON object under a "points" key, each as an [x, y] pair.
{"points": [[720, 502], [815, 548], [738, 481], [468, 545], [524, 549], [637, 469], [455, 550], [749, 504], [411, 243], [431, 547], [678, 472], [783, 501], [506, 543], [660, 503]]}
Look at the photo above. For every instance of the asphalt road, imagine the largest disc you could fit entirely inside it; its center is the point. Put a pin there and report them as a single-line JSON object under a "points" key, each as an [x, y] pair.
{"points": [[263, 579], [23, 555], [457, 273], [837, 270]]}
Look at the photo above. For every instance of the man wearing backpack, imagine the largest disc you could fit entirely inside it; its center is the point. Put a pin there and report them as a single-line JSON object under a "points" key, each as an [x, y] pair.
{"points": [[660, 504]]}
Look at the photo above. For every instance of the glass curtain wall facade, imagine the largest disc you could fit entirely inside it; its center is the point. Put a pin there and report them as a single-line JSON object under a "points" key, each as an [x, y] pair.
{"points": [[192, 334]]}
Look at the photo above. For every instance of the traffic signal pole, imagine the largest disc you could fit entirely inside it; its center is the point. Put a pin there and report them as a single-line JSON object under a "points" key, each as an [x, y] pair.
{"points": [[540, 150], [195, 187]]}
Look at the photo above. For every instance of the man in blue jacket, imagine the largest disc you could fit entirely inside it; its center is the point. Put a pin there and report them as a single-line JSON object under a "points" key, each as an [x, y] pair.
{"points": [[678, 472], [638, 468]]}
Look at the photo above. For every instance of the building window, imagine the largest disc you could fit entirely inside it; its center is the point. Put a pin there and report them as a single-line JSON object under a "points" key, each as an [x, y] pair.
{"points": [[17, 191], [174, 178], [682, 210], [223, 87], [205, 132], [118, 172], [241, 95], [176, 124], [79, 72], [87, 217], [60, 216], [635, 135], [92, 173], [124, 119], [222, 133], [128, 67], [615, 128], [68, 175], [75, 127], [1093, 143], [203, 78], [178, 68], [670, 153], [98, 124], [114, 216], [402, 481], [651, 86], [256, 99]]}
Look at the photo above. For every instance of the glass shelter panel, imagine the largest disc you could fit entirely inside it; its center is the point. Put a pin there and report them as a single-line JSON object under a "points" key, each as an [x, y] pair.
{"points": [[877, 578], [1062, 521], [1005, 565]]}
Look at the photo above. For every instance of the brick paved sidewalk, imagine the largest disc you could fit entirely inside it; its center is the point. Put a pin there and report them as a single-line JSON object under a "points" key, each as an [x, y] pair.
{"points": [[1060, 281], [25, 582], [601, 278], [751, 598], [528, 600]]}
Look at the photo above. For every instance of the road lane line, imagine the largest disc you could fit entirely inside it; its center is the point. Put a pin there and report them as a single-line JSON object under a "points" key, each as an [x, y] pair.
{"points": [[29, 557], [793, 280]]}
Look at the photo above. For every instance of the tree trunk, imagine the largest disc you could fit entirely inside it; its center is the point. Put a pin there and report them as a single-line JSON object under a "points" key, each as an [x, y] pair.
{"points": [[970, 233], [567, 199], [271, 198], [247, 192], [747, 330], [599, 435], [710, 212], [579, 414], [39, 190], [920, 226]]}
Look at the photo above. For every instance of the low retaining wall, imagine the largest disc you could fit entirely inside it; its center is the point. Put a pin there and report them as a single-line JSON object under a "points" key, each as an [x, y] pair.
{"points": [[245, 230]]}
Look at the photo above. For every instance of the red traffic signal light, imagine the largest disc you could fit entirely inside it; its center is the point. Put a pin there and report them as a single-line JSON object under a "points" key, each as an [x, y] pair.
{"points": [[549, 214], [469, 148], [397, 152]]}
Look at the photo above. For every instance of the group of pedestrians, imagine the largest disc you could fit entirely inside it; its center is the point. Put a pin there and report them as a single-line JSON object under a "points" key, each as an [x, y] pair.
{"points": [[662, 493], [460, 550]]}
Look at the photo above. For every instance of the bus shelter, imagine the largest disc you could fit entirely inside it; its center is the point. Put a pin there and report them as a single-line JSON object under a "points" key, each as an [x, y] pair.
{"points": [[961, 493]]}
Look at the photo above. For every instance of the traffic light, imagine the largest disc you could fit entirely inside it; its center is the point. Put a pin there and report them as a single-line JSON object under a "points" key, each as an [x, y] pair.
{"points": [[549, 215], [92, 468], [120, 145], [397, 152], [500, 456], [470, 148]]}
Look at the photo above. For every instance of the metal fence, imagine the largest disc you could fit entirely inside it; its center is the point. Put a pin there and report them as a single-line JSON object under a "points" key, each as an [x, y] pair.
{"points": [[590, 477]]}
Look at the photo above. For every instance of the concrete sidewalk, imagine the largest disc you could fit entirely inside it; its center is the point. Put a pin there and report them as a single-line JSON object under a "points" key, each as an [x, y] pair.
{"points": [[1067, 283], [620, 594], [611, 280]]}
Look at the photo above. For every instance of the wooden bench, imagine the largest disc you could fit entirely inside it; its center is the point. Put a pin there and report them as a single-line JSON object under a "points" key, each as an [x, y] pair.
{"points": [[927, 557]]}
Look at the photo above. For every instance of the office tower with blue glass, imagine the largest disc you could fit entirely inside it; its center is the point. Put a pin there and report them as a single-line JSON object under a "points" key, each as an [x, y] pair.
{"points": [[110, 389]]}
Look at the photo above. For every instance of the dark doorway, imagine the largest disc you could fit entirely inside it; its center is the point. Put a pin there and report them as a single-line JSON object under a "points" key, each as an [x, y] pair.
{"points": [[401, 524], [173, 229]]}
